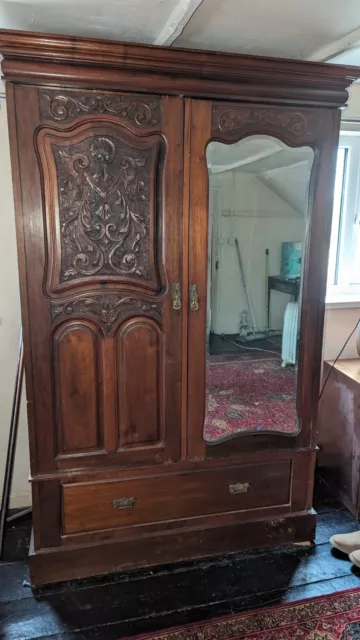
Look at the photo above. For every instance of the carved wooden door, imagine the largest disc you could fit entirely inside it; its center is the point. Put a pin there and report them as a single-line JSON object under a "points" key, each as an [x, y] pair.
{"points": [[103, 267]]}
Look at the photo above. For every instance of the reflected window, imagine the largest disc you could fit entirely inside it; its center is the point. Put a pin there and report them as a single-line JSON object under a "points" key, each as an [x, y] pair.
{"points": [[344, 256]]}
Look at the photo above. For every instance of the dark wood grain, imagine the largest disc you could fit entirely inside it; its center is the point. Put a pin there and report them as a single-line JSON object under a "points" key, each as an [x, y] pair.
{"points": [[108, 144], [90, 507], [46, 514], [141, 374], [65, 563], [200, 132], [185, 436], [34, 304], [95, 473], [339, 437], [64, 60], [78, 381], [21, 253], [170, 236], [139, 601]]}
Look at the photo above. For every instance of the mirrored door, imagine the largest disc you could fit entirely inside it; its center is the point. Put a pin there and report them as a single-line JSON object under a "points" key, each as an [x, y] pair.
{"points": [[260, 205], [257, 228]]}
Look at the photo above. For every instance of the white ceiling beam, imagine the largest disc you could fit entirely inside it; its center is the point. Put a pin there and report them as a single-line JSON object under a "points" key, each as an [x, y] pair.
{"points": [[221, 168], [247, 161], [177, 21], [289, 165], [324, 54]]}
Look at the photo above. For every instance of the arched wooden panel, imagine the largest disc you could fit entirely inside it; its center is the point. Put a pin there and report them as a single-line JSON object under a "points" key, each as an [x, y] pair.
{"points": [[77, 381], [140, 383]]}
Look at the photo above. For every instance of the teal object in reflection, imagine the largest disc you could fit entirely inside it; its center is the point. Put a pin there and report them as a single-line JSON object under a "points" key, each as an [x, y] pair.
{"points": [[291, 253]]}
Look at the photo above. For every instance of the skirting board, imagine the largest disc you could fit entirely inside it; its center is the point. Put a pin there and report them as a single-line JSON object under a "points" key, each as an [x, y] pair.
{"points": [[68, 563]]}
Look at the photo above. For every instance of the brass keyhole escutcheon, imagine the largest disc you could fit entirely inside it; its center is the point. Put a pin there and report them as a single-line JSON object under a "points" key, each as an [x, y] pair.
{"points": [[194, 298], [123, 503], [176, 296], [240, 487]]}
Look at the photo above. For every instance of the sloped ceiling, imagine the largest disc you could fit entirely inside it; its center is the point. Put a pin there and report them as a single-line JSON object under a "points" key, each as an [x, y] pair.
{"points": [[130, 20], [270, 27], [316, 29], [284, 171]]}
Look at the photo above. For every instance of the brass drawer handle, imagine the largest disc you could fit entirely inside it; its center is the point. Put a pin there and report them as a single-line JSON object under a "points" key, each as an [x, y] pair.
{"points": [[194, 298], [176, 296], [239, 488], [123, 503]]}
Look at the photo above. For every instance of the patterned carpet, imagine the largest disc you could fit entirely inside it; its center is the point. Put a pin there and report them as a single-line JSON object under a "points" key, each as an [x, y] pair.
{"points": [[253, 395], [333, 617]]}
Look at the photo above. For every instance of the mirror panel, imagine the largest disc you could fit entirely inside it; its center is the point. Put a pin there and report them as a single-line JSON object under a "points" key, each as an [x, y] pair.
{"points": [[258, 218]]}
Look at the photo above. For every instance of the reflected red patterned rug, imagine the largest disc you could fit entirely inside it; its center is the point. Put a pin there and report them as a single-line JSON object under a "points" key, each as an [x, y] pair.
{"points": [[257, 395], [333, 617]]}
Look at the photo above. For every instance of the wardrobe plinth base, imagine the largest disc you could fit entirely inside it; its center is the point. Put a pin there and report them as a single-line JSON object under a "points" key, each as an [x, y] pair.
{"points": [[68, 563]]}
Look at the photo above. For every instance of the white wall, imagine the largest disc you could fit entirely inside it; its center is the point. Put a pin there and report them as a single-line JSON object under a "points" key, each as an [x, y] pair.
{"points": [[260, 220], [352, 111], [10, 324], [339, 323]]}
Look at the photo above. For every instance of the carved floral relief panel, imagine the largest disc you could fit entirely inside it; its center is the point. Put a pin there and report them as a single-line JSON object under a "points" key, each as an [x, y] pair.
{"points": [[105, 309], [101, 206], [104, 208], [232, 120], [64, 106]]}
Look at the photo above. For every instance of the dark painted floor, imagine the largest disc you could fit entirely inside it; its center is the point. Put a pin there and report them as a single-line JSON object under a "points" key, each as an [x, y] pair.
{"points": [[228, 344], [112, 607]]}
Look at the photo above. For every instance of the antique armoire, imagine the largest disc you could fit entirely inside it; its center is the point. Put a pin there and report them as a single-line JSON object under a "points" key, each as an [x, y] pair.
{"points": [[108, 145]]}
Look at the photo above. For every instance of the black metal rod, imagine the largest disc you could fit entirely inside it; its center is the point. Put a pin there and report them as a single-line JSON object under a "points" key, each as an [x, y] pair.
{"points": [[19, 514], [10, 457]]}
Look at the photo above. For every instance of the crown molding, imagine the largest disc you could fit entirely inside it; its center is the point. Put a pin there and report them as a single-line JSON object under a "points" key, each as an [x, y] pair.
{"points": [[39, 58]]}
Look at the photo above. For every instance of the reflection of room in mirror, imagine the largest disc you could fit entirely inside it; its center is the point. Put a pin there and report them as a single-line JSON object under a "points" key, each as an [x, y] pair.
{"points": [[258, 213]]}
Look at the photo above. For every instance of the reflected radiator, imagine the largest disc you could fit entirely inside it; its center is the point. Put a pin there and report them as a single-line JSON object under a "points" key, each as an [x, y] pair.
{"points": [[289, 339]]}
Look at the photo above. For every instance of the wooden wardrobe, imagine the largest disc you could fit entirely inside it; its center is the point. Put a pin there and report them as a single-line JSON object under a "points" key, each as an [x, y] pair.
{"points": [[108, 144]]}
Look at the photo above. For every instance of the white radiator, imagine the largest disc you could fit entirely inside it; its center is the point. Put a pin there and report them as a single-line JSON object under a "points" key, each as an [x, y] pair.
{"points": [[289, 339]]}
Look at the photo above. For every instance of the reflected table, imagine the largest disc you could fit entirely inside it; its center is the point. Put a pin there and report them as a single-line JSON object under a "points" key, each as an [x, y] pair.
{"points": [[279, 283]]}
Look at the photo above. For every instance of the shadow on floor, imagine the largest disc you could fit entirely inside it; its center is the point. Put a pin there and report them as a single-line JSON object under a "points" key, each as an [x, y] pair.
{"points": [[147, 600]]}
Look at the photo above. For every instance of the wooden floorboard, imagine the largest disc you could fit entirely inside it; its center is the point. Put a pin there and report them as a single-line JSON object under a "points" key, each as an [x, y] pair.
{"points": [[155, 623], [333, 522], [124, 604]]}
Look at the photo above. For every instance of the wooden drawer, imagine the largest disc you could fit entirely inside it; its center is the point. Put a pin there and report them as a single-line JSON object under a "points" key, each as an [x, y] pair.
{"points": [[121, 503]]}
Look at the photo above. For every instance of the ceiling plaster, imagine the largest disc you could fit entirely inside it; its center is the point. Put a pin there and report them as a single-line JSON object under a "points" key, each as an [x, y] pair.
{"points": [[326, 30]]}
